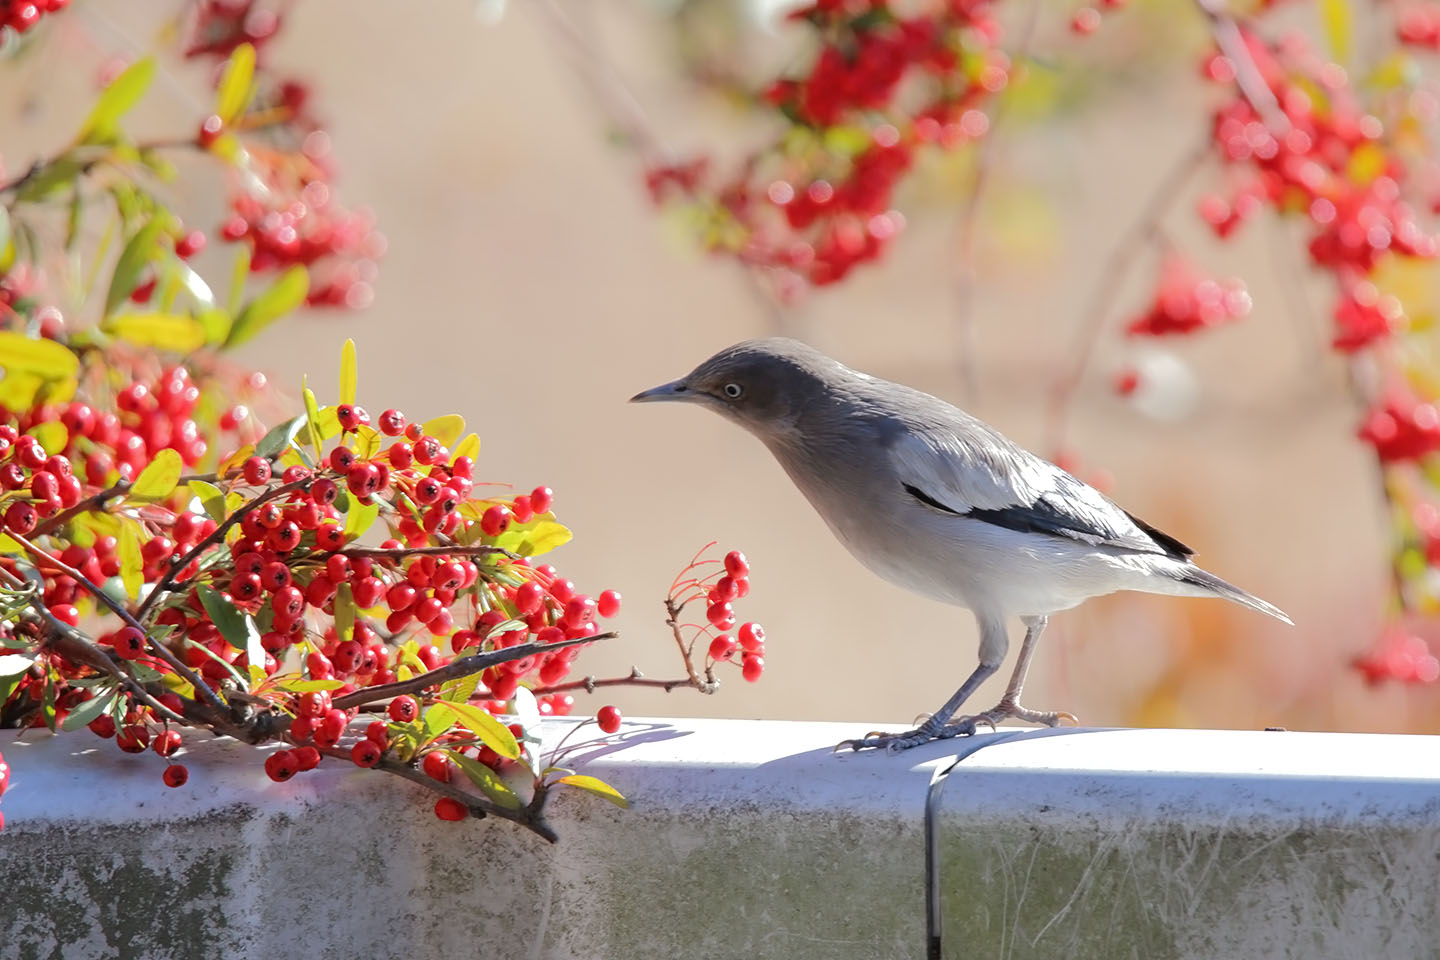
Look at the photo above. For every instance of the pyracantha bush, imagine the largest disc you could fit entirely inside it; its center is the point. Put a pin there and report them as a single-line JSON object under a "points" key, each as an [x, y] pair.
{"points": [[339, 584]]}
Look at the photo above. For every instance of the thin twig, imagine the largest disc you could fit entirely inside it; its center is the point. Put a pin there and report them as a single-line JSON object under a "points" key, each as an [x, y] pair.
{"points": [[635, 679], [201, 688], [167, 581], [1249, 80], [527, 816], [88, 651], [400, 553], [459, 667], [1145, 229]]}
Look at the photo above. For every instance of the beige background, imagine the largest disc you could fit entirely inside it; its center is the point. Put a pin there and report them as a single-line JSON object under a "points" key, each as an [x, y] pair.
{"points": [[530, 286]]}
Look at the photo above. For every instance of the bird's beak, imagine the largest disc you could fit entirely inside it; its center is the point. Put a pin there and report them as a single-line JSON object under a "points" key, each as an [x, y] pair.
{"points": [[674, 390]]}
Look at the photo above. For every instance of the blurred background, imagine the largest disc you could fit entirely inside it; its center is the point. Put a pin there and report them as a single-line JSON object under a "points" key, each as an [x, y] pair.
{"points": [[531, 285]]}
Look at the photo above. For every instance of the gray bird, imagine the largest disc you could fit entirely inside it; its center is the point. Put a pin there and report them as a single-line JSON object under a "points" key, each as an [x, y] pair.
{"points": [[932, 499]]}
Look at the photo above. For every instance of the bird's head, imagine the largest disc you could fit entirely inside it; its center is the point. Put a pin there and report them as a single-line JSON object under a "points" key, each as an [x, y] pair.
{"points": [[764, 385]]}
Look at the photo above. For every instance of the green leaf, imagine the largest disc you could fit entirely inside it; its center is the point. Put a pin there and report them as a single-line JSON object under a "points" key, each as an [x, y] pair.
{"points": [[176, 332], [359, 519], [216, 324], [469, 447], [312, 418], [279, 439], [159, 478], [491, 732], [347, 372], [238, 273], [1339, 22], [132, 565], [13, 664], [446, 429], [461, 688], [285, 294], [212, 500], [438, 718], [118, 99], [139, 250], [235, 674], [486, 779], [598, 787], [236, 84], [88, 711], [537, 536], [43, 358], [236, 626], [344, 612]]}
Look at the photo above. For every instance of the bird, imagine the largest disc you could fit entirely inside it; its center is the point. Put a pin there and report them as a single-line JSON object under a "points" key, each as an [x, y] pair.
{"points": [[936, 501]]}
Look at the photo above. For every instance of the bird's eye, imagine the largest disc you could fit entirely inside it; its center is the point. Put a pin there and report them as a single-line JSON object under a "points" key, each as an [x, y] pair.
{"points": [[733, 390]]}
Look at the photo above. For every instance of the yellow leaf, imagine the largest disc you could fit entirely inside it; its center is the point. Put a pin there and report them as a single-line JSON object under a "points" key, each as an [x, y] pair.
{"points": [[598, 787], [1339, 21], [312, 417], [45, 359], [176, 332], [446, 429], [19, 389], [540, 535], [131, 563], [469, 447], [236, 458], [117, 99], [7, 545], [347, 372], [52, 435], [212, 501], [236, 84], [158, 479], [491, 732]]}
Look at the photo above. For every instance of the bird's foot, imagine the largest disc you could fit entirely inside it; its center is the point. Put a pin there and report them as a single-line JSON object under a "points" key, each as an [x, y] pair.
{"points": [[1005, 710], [896, 742]]}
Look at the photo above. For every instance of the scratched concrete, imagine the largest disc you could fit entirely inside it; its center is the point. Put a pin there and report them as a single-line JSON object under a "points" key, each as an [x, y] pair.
{"points": [[745, 839]]}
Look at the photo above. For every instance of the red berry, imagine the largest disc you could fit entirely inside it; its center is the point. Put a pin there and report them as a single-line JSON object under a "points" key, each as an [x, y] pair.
{"points": [[21, 517], [720, 615], [495, 520], [133, 738], [103, 726], [736, 565], [306, 758], [448, 808], [751, 637], [392, 423], [129, 643], [189, 245], [256, 471], [437, 766], [288, 602], [528, 597], [541, 498], [281, 766], [722, 647], [403, 709], [752, 666], [176, 775], [366, 753], [166, 742], [210, 129], [608, 718], [608, 604], [378, 731]]}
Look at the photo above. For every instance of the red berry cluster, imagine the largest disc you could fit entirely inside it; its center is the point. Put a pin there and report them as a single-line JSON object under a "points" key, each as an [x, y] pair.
{"points": [[1402, 428], [295, 219], [880, 86], [1185, 303], [1400, 655], [719, 584], [102, 445], [1326, 156], [21, 15]]}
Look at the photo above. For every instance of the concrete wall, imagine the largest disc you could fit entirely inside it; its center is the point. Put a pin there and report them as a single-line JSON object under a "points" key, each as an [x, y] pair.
{"points": [[747, 839]]}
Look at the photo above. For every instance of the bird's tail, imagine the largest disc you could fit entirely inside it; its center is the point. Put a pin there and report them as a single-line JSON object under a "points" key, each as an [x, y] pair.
{"points": [[1210, 584]]}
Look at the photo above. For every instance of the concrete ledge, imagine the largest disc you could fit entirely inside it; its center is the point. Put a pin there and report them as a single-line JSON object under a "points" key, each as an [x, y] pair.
{"points": [[746, 839]]}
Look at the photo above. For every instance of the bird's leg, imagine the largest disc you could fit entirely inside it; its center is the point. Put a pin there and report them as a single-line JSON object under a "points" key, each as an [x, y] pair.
{"points": [[1009, 705], [993, 643]]}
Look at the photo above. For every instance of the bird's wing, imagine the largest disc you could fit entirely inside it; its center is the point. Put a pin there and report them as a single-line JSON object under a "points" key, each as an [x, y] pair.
{"points": [[977, 473]]}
